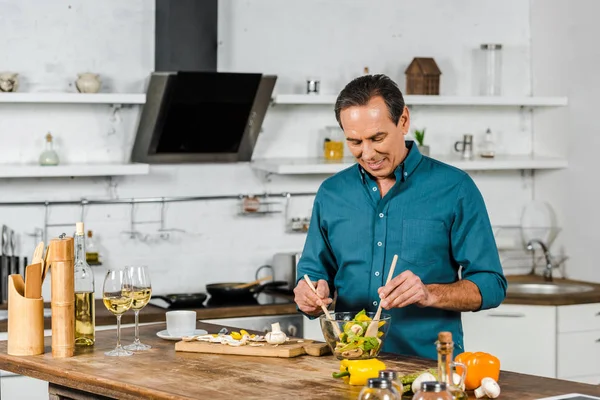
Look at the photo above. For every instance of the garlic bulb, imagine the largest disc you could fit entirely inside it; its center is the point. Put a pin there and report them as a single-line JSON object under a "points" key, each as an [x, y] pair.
{"points": [[276, 336], [424, 377]]}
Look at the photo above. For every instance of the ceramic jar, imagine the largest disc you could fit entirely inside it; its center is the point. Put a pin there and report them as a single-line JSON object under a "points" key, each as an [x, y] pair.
{"points": [[9, 82], [88, 83]]}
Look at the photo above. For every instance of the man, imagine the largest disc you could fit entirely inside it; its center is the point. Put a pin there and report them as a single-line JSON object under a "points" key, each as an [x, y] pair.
{"points": [[397, 201]]}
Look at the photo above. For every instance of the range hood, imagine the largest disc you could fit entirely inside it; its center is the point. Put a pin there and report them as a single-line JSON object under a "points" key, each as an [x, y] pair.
{"points": [[201, 117]]}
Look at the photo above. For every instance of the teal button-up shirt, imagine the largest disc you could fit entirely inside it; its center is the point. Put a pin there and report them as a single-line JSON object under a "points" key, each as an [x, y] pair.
{"points": [[434, 218]]}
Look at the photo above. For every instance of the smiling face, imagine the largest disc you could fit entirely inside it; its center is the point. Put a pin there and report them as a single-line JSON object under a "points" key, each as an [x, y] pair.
{"points": [[373, 138]]}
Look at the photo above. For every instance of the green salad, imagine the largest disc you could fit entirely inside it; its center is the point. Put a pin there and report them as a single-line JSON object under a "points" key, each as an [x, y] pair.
{"points": [[353, 343]]}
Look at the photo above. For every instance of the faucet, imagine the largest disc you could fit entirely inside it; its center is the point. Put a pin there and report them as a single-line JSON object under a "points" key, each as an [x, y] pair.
{"points": [[547, 255]]}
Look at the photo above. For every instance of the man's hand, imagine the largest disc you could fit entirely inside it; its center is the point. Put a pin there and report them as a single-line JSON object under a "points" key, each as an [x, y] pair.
{"points": [[403, 290], [307, 301]]}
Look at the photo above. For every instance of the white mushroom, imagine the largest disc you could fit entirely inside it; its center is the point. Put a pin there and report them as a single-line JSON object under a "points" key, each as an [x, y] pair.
{"points": [[489, 388], [276, 336], [424, 377], [356, 329]]}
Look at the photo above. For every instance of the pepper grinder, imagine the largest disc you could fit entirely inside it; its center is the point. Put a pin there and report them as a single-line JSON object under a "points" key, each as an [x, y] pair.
{"points": [[49, 155]]}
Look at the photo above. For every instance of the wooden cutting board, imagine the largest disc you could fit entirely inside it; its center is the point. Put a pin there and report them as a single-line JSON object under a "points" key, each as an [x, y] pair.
{"points": [[293, 348]]}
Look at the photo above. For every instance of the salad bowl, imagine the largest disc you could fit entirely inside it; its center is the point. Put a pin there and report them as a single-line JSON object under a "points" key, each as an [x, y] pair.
{"points": [[351, 343]]}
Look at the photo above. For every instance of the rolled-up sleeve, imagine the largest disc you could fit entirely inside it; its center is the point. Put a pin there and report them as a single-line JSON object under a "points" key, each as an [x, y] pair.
{"points": [[474, 246], [317, 260]]}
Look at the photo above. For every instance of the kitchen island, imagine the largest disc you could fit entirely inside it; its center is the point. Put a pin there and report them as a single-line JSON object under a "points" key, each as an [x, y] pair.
{"points": [[162, 373]]}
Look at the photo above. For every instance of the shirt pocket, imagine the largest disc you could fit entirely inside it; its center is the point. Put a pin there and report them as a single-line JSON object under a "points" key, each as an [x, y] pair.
{"points": [[424, 241]]}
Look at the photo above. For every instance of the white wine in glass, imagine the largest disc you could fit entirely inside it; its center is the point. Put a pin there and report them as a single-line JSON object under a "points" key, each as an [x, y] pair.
{"points": [[142, 292], [117, 295]]}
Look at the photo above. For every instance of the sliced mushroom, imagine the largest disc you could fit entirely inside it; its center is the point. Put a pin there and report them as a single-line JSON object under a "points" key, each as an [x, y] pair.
{"points": [[352, 353]]}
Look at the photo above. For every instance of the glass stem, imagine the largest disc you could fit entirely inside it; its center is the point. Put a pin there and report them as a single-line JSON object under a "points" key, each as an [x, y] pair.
{"points": [[137, 329], [118, 331]]}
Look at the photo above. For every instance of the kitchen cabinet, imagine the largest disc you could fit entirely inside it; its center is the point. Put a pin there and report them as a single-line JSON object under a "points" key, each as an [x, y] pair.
{"points": [[522, 337], [553, 341], [312, 329]]}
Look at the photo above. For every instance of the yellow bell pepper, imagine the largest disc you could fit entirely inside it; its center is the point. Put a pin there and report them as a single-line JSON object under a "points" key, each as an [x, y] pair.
{"points": [[357, 372]]}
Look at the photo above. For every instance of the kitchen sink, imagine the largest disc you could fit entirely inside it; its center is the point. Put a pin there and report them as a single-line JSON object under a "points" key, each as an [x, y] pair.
{"points": [[548, 288]]}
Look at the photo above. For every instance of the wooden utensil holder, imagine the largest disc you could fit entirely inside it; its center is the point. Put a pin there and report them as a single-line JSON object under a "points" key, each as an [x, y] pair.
{"points": [[25, 320], [63, 296]]}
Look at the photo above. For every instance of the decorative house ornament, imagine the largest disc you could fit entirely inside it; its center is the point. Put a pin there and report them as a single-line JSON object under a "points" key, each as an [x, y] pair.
{"points": [[423, 77]]}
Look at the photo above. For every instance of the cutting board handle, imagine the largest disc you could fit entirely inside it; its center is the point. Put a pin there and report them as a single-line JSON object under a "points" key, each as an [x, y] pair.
{"points": [[25, 320]]}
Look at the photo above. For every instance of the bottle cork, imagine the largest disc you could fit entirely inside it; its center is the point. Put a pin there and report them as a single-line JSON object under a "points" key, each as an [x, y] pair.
{"points": [[445, 337], [79, 228]]}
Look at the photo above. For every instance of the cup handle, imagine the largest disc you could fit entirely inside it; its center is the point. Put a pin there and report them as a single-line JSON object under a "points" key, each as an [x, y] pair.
{"points": [[264, 266], [456, 146], [463, 375]]}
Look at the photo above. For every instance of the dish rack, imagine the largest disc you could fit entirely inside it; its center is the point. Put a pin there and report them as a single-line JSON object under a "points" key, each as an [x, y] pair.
{"points": [[512, 245]]}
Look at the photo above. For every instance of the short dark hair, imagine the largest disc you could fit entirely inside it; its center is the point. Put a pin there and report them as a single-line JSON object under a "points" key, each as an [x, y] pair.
{"points": [[362, 89]]}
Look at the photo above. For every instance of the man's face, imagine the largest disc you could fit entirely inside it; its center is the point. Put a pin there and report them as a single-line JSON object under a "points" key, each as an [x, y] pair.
{"points": [[372, 137]]}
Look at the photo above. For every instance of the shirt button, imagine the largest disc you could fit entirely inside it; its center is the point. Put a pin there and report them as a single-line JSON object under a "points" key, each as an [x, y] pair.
{"points": [[406, 174], [380, 215], [374, 189], [375, 303], [379, 244], [376, 273]]}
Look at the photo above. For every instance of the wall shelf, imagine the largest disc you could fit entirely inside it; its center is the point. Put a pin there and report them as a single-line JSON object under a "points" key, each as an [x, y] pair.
{"points": [[73, 170], [506, 101], [305, 166], [74, 98]]}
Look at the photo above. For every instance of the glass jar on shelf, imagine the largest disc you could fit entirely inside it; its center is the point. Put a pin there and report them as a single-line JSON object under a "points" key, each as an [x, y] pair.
{"points": [[333, 145], [491, 69]]}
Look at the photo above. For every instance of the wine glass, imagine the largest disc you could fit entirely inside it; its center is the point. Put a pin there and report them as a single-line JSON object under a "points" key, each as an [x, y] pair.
{"points": [[142, 291], [117, 295]]}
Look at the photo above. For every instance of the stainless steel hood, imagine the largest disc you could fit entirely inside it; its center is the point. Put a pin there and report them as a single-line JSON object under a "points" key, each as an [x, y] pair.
{"points": [[202, 117]]}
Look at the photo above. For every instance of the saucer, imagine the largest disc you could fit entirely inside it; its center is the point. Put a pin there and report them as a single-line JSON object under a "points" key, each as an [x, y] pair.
{"points": [[165, 334]]}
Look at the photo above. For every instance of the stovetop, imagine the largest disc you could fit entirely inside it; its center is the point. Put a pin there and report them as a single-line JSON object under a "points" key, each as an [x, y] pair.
{"points": [[268, 296]]}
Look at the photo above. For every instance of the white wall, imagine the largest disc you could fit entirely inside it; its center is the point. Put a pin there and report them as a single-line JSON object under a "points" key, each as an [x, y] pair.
{"points": [[565, 60], [48, 47]]}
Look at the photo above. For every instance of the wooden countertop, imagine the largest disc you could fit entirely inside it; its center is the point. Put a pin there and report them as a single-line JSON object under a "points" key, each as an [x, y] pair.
{"points": [[152, 313], [162, 373], [551, 299]]}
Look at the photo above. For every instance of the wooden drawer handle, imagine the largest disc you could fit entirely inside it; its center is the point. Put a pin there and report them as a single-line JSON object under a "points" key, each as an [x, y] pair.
{"points": [[507, 315]]}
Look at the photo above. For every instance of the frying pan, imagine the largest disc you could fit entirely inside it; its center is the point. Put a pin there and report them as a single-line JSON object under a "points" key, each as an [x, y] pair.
{"points": [[227, 290], [184, 300]]}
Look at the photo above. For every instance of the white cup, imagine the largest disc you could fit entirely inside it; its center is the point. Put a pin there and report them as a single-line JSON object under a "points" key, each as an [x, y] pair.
{"points": [[181, 323]]}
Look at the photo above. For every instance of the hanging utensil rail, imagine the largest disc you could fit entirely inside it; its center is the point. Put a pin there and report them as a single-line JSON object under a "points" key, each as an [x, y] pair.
{"points": [[133, 200]]}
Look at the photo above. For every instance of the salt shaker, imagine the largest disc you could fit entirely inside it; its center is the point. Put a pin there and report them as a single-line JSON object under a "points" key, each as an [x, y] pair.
{"points": [[433, 391], [393, 377], [379, 389]]}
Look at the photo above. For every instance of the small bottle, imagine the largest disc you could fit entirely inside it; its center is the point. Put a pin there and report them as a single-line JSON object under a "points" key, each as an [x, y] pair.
{"points": [[488, 150], [49, 156], [433, 391], [393, 377], [85, 309], [91, 250], [379, 389], [445, 350]]}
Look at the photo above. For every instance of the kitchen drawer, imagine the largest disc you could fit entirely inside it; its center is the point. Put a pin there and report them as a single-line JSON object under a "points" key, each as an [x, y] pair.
{"points": [[580, 317], [591, 379], [579, 353]]}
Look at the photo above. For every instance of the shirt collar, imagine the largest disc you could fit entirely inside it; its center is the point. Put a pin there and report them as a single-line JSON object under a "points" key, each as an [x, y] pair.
{"points": [[406, 167]]}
